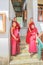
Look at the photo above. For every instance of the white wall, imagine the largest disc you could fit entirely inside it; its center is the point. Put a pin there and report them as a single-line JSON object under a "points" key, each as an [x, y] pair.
{"points": [[4, 51], [4, 47], [29, 10], [4, 6], [35, 15], [5, 38]]}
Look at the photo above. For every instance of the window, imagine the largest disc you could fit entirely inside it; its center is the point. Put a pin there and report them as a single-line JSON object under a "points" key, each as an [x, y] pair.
{"points": [[40, 12]]}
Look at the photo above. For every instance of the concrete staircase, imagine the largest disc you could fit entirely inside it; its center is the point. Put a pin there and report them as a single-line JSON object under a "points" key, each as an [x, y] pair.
{"points": [[24, 57], [23, 42]]}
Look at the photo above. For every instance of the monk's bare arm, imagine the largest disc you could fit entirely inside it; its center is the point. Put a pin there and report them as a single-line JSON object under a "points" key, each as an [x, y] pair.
{"points": [[13, 34]]}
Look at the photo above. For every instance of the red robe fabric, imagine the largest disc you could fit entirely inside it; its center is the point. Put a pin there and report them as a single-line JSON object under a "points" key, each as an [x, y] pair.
{"points": [[29, 33], [27, 37], [15, 45], [31, 38]]}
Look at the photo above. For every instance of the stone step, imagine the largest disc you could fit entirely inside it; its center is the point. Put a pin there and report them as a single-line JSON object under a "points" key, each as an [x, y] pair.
{"points": [[27, 62], [23, 42], [3, 61], [22, 47], [24, 58], [23, 54], [22, 37]]}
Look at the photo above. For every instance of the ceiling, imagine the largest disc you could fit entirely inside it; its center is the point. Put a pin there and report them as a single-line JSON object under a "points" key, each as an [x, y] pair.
{"points": [[40, 1]]}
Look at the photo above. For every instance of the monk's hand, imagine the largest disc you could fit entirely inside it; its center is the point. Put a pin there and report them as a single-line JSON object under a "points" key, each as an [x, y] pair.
{"points": [[17, 39], [36, 42]]}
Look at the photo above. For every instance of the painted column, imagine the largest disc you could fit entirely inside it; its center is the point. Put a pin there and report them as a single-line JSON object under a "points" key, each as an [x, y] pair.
{"points": [[35, 15], [35, 10], [29, 10]]}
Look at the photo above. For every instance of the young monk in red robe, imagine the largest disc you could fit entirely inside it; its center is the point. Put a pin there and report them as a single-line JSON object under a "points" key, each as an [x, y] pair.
{"points": [[15, 38], [31, 37]]}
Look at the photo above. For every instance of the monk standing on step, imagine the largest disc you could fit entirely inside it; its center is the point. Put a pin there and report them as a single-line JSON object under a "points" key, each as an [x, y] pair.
{"points": [[15, 37], [31, 37]]}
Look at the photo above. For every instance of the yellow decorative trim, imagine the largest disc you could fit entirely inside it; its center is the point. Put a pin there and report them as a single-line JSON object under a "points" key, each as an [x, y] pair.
{"points": [[4, 22]]}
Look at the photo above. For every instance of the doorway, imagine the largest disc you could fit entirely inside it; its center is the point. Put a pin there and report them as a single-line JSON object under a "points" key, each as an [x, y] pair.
{"points": [[21, 14], [20, 9]]}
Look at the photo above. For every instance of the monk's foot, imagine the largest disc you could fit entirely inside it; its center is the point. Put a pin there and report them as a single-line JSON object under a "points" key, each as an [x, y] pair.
{"points": [[14, 55], [40, 59], [31, 55]]}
